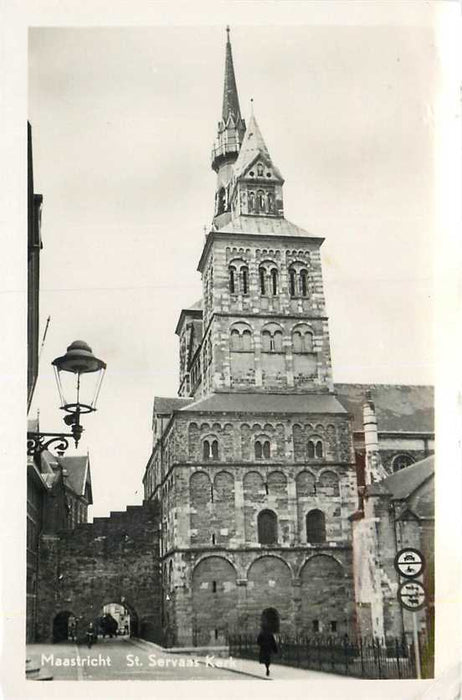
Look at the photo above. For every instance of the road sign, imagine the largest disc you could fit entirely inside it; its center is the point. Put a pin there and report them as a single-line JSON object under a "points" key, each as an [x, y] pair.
{"points": [[409, 562], [412, 595]]}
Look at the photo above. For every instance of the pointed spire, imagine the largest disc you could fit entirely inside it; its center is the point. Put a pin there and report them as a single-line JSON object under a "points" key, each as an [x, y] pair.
{"points": [[252, 146], [230, 96], [231, 128]]}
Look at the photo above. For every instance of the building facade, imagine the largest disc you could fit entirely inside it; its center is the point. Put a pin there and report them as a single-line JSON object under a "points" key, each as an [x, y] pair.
{"points": [[256, 465]]}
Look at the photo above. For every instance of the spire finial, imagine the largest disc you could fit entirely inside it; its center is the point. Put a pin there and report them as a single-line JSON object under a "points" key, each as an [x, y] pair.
{"points": [[228, 30], [251, 106]]}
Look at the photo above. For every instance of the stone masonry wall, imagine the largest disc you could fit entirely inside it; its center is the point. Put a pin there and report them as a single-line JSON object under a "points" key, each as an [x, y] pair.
{"points": [[254, 367], [114, 559]]}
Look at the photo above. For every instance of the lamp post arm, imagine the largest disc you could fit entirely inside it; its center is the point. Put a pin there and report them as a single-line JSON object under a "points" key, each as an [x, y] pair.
{"points": [[38, 442]]}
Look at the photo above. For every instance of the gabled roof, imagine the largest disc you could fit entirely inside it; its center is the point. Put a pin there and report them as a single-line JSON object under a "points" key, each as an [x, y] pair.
{"points": [[165, 405], [412, 487], [252, 147], [405, 482], [277, 226], [195, 310], [267, 403], [399, 408], [77, 474]]}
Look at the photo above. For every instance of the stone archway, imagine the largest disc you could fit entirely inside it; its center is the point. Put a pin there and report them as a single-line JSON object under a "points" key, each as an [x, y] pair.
{"points": [[61, 626], [117, 619], [214, 599], [114, 559]]}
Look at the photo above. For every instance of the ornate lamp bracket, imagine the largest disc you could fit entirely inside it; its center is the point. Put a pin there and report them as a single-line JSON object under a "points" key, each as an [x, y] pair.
{"points": [[38, 442]]}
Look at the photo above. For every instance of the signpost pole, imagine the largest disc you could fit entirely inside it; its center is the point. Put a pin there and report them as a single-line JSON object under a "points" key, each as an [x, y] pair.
{"points": [[416, 645]]}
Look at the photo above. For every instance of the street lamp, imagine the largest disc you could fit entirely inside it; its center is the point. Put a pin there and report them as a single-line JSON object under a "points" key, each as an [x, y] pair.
{"points": [[78, 373]]}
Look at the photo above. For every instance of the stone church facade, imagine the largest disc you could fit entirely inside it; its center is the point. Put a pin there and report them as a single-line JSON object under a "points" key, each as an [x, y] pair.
{"points": [[253, 465]]}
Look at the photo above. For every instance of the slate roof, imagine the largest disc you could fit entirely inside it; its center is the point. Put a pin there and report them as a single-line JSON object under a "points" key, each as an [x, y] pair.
{"points": [[403, 483], [77, 469], [164, 405], [414, 485], [267, 403], [253, 146], [265, 225], [399, 408]]}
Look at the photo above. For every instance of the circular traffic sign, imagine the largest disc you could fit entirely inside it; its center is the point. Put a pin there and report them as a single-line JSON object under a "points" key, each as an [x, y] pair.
{"points": [[412, 595], [409, 562]]}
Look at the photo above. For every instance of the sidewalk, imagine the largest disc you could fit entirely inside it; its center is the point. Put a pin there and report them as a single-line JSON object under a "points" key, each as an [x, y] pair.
{"points": [[280, 672], [253, 669]]}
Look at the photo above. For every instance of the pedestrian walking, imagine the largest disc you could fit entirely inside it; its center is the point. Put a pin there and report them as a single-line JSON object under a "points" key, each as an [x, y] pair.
{"points": [[268, 646], [90, 635]]}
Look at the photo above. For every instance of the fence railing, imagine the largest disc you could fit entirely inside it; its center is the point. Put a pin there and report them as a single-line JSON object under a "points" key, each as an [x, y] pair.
{"points": [[361, 658]]}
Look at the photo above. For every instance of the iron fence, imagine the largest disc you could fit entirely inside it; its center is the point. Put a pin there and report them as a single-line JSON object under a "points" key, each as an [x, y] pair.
{"points": [[361, 658]]}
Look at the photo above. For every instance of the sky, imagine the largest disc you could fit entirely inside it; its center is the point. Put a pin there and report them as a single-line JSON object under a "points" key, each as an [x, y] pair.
{"points": [[123, 120]]}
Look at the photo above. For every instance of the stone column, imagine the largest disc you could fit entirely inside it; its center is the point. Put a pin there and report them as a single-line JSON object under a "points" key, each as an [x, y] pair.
{"points": [[239, 506], [292, 507]]}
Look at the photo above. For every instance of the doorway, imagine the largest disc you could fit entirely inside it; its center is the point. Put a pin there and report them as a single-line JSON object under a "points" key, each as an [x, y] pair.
{"points": [[64, 627]]}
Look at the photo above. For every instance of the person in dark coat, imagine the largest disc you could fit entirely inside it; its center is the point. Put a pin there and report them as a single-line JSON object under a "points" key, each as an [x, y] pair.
{"points": [[268, 646]]}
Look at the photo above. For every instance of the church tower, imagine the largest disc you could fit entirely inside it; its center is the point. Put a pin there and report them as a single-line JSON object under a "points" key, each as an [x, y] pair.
{"points": [[253, 465]]}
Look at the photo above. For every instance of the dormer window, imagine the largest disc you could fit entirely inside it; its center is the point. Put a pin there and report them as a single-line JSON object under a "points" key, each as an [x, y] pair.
{"points": [[260, 170]]}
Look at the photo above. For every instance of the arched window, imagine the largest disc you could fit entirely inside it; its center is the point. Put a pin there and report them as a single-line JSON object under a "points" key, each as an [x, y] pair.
{"points": [[315, 449], [251, 201], [245, 280], [236, 343], [247, 340], [303, 283], [297, 341], [271, 338], [232, 279], [240, 337], [262, 274], [270, 202], [267, 526], [274, 281], [302, 340], [210, 449], [221, 200], [315, 527], [266, 341], [292, 280], [308, 342], [401, 462], [277, 342], [262, 449], [260, 200], [260, 170]]}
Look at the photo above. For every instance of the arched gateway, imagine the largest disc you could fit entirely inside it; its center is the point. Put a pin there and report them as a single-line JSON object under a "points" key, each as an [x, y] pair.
{"points": [[112, 560]]}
